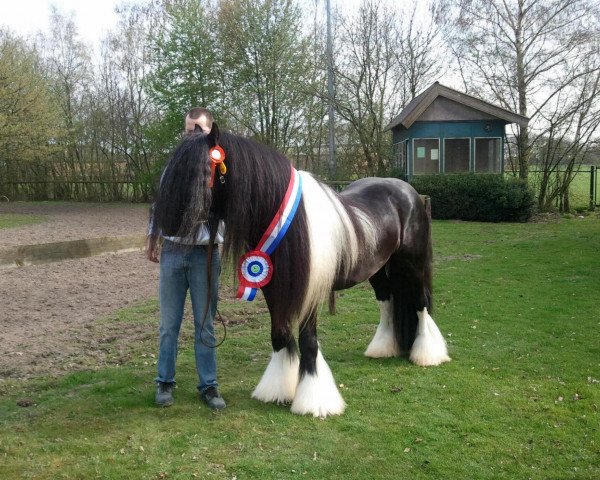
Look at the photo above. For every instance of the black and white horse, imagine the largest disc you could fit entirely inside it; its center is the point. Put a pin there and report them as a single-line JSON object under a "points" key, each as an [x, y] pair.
{"points": [[377, 230]]}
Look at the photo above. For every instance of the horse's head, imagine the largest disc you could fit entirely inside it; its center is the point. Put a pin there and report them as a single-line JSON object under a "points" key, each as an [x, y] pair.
{"points": [[194, 188], [185, 197]]}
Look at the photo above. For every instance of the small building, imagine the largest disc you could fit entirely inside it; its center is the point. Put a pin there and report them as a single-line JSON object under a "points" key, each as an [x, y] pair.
{"points": [[445, 131]]}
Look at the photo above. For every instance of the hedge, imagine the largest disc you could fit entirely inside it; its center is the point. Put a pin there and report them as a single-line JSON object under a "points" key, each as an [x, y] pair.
{"points": [[477, 197]]}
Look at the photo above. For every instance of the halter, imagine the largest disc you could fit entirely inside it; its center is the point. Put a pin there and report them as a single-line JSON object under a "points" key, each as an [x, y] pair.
{"points": [[255, 267]]}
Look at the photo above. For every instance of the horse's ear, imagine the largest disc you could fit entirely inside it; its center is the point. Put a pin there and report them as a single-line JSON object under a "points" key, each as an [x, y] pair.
{"points": [[213, 136]]}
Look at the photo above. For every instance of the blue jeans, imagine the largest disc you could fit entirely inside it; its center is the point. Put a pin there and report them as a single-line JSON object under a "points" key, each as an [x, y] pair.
{"points": [[183, 268]]}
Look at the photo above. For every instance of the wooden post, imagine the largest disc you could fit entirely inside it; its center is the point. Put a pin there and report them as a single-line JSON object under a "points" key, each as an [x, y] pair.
{"points": [[332, 302], [427, 201]]}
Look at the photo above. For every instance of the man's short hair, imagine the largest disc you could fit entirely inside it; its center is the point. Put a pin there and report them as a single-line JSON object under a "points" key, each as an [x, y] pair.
{"points": [[198, 111], [201, 119]]}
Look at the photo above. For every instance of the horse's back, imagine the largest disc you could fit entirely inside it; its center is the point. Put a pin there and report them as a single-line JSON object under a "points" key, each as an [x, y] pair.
{"points": [[374, 194], [390, 220]]}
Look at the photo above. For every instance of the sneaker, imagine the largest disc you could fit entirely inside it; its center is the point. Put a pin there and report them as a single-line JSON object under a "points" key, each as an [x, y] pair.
{"points": [[164, 394], [211, 397]]}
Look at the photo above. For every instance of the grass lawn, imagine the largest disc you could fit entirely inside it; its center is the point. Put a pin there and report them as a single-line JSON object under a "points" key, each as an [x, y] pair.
{"points": [[518, 304], [12, 220]]}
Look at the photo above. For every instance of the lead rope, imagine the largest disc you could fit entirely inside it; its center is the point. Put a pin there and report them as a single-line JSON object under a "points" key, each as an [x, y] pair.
{"points": [[217, 157], [213, 225]]}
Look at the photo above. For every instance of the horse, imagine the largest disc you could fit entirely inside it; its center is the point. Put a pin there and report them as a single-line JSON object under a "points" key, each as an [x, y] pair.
{"points": [[377, 229]]}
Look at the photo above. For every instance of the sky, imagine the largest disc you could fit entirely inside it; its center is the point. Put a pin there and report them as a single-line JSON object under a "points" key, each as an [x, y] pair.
{"points": [[92, 17]]}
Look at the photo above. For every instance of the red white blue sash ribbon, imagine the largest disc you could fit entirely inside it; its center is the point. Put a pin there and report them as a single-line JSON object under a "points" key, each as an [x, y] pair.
{"points": [[255, 268]]}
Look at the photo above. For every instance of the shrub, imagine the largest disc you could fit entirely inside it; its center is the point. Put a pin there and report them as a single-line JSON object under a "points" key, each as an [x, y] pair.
{"points": [[476, 197]]}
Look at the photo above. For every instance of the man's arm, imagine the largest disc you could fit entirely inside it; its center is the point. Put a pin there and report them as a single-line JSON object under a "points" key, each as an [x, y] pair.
{"points": [[152, 248]]}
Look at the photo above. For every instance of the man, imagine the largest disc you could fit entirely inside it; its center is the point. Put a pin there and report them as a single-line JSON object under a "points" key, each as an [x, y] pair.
{"points": [[183, 267], [198, 119]]}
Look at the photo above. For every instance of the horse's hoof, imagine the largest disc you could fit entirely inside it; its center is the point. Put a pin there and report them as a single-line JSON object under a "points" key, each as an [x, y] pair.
{"points": [[278, 383], [317, 393], [428, 360]]}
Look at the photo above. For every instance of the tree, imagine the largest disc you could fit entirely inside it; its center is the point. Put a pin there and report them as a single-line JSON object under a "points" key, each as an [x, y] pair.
{"points": [[527, 55], [28, 120], [420, 51], [69, 70], [123, 109], [312, 142], [367, 81], [185, 70], [569, 138], [382, 62], [266, 68]]}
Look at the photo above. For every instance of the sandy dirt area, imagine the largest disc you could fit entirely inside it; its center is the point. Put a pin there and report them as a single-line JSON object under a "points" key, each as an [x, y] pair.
{"points": [[73, 221], [48, 313]]}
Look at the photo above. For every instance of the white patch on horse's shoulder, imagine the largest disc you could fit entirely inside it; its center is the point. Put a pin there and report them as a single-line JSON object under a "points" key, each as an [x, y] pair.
{"points": [[384, 342], [429, 347], [332, 240], [317, 394], [278, 383]]}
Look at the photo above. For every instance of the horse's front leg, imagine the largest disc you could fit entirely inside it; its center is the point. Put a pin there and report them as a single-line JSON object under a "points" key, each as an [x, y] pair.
{"points": [[317, 393], [384, 343], [278, 383]]}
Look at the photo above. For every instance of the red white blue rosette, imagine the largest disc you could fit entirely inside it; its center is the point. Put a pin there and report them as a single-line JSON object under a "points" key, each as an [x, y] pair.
{"points": [[255, 271]]}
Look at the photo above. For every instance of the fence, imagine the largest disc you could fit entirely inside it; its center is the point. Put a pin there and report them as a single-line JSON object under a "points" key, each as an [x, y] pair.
{"points": [[583, 190], [594, 187], [77, 190]]}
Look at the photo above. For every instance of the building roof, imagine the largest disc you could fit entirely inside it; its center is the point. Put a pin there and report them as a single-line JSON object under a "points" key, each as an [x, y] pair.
{"points": [[417, 106]]}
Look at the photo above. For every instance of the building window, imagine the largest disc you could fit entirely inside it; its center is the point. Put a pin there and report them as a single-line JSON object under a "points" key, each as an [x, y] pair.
{"points": [[488, 153], [457, 154], [399, 160], [426, 155]]}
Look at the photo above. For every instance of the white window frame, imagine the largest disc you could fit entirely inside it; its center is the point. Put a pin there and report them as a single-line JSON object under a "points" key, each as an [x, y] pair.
{"points": [[414, 154], [396, 148]]}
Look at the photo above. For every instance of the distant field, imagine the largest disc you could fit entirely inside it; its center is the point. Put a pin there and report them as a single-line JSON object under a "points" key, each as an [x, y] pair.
{"points": [[580, 187]]}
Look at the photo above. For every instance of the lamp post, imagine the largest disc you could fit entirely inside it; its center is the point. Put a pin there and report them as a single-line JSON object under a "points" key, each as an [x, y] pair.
{"points": [[330, 95]]}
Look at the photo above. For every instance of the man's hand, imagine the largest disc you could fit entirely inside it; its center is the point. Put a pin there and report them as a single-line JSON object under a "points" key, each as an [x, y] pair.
{"points": [[152, 249]]}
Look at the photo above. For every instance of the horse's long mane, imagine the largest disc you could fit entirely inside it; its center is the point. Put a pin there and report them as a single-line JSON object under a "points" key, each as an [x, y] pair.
{"points": [[257, 179], [182, 202], [246, 199], [255, 184]]}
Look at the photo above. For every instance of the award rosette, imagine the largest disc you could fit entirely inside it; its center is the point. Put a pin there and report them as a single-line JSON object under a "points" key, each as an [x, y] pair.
{"points": [[255, 267], [255, 271], [217, 157]]}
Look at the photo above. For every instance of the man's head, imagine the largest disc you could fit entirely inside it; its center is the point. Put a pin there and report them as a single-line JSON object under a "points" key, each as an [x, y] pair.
{"points": [[198, 119]]}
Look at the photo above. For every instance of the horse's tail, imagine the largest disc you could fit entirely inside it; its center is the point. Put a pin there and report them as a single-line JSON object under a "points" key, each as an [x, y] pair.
{"points": [[412, 286], [404, 306], [428, 262]]}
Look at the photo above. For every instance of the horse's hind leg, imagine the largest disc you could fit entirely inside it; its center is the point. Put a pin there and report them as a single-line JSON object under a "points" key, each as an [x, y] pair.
{"points": [[317, 393], [412, 300], [384, 342], [278, 383], [429, 347]]}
